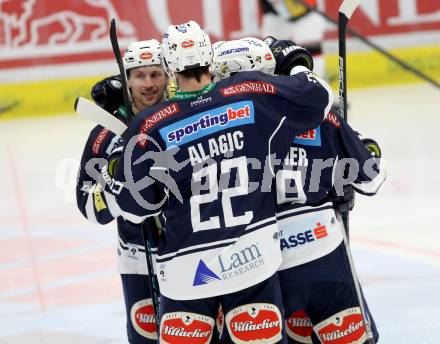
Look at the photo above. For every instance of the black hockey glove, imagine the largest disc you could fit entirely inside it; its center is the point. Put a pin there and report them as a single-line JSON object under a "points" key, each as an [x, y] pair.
{"points": [[107, 93], [373, 147], [288, 55], [343, 204]]}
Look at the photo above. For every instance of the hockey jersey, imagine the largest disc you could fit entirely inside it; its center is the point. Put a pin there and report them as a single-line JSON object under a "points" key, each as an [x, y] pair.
{"points": [[100, 207], [325, 157], [203, 163]]}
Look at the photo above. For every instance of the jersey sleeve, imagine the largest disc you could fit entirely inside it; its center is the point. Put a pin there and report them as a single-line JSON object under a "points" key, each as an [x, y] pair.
{"points": [[305, 99], [95, 204], [371, 171], [139, 190]]}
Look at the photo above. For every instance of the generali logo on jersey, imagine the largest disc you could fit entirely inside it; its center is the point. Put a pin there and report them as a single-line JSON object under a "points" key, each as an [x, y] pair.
{"points": [[99, 139], [155, 118], [186, 328], [259, 322], [143, 319], [299, 327], [346, 326], [256, 87]]}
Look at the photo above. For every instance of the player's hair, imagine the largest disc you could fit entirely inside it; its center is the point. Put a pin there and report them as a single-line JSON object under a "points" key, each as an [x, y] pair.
{"points": [[195, 73]]}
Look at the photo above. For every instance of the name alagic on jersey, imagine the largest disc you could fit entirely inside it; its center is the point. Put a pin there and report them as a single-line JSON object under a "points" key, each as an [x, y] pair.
{"points": [[208, 122]]}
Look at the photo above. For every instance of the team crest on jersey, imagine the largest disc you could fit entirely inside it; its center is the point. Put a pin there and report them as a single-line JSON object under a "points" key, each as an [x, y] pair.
{"points": [[143, 319], [346, 326], [208, 122], [309, 138], [299, 327], [186, 328], [256, 322]]}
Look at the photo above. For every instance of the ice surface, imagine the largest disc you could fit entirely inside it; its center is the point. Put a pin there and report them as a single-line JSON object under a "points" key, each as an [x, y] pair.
{"points": [[58, 276]]}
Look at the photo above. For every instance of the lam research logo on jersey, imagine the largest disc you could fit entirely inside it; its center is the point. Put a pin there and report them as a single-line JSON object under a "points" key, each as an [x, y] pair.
{"points": [[311, 137], [230, 264], [208, 122], [204, 275]]}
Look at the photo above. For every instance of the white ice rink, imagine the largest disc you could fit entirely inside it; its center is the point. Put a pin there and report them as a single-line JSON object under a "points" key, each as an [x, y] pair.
{"points": [[58, 279]]}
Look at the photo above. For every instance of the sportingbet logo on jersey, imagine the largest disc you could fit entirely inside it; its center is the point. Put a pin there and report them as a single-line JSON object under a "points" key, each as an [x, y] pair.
{"points": [[309, 138], [255, 322], [229, 265], [208, 122]]}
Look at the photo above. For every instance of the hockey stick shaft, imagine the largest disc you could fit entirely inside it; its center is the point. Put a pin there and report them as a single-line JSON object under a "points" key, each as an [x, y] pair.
{"points": [[148, 226], [118, 57], [373, 45], [345, 12], [367, 325]]}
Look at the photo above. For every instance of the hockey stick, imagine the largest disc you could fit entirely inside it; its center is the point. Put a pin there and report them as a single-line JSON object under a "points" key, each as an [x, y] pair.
{"points": [[152, 280], [345, 12], [373, 45], [118, 57], [97, 114]]}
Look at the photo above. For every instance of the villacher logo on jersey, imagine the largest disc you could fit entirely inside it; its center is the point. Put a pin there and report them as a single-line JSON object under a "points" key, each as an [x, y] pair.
{"points": [[208, 122]]}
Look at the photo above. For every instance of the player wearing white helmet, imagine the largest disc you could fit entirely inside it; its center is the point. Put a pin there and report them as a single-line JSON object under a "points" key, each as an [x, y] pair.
{"points": [[147, 82], [316, 281], [204, 149], [246, 54], [146, 77]]}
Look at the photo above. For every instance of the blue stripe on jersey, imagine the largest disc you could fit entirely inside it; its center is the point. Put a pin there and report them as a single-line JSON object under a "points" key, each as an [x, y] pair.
{"points": [[208, 122], [309, 138]]}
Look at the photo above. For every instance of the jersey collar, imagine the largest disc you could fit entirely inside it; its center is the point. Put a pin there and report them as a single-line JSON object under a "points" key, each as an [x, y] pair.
{"points": [[180, 95]]}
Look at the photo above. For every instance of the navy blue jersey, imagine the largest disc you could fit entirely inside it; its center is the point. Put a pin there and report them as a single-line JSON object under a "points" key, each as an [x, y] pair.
{"points": [[203, 163], [99, 206], [320, 159]]}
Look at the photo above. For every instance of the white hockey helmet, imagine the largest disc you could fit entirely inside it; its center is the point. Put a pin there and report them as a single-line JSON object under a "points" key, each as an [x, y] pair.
{"points": [[186, 46], [241, 55], [142, 53]]}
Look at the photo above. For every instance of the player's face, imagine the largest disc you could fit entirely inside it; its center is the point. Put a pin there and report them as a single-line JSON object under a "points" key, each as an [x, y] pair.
{"points": [[147, 85]]}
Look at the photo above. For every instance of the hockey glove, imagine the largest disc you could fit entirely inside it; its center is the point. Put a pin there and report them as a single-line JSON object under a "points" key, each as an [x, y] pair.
{"points": [[107, 93], [288, 55], [108, 171], [113, 160], [343, 204], [373, 147]]}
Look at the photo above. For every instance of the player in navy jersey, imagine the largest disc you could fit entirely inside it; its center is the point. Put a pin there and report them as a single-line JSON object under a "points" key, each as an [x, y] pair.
{"points": [[147, 82], [202, 160], [315, 275]]}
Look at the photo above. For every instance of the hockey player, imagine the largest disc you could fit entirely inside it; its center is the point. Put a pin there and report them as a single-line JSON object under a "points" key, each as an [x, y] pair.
{"points": [[315, 275], [202, 160], [147, 82]]}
